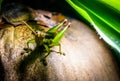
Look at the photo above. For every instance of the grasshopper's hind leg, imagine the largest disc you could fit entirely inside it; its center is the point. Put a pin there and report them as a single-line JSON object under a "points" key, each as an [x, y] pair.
{"points": [[60, 50], [55, 28], [57, 38]]}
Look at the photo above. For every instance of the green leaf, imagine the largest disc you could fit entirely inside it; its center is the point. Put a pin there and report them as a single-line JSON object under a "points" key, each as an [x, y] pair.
{"points": [[113, 4], [103, 16]]}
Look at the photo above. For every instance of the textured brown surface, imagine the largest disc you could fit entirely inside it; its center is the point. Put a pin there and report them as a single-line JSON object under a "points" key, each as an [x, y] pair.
{"points": [[87, 57]]}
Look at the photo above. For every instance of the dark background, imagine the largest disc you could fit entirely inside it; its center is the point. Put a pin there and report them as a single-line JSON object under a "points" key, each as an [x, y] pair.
{"points": [[49, 5]]}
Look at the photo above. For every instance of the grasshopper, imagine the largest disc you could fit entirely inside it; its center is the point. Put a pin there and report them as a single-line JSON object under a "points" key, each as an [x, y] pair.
{"points": [[47, 40], [17, 14]]}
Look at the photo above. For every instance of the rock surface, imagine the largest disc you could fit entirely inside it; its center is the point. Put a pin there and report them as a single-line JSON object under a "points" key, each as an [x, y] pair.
{"points": [[87, 57]]}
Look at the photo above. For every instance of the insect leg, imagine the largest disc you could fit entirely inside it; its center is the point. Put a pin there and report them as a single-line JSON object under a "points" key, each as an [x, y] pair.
{"points": [[60, 34], [55, 28], [29, 27]]}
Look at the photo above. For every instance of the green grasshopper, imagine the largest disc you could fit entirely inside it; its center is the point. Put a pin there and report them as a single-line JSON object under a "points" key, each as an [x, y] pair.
{"points": [[49, 39], [17, 14]]}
